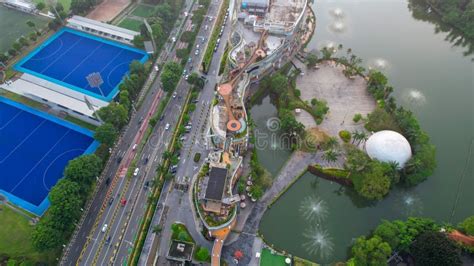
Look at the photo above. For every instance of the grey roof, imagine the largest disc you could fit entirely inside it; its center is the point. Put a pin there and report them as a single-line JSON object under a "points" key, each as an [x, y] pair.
{"points": [[216, 183], [261, 3], [104, 27]]}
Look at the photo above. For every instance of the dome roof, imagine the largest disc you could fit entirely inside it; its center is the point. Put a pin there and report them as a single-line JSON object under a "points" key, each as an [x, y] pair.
{"points": [[389, 146]]}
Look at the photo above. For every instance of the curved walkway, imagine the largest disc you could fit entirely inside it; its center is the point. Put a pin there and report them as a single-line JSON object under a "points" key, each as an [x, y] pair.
{"points": [[247, 241]]}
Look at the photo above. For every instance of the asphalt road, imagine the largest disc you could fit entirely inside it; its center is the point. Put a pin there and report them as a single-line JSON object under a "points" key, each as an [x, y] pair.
{"points": [[176, 201], [111, 244], [124, 145]]}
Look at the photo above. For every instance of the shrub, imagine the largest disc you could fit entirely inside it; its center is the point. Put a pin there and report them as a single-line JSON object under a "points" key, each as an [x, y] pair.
{"points": [[357, 118], [345, 135], [202, 254], [197, 157]]}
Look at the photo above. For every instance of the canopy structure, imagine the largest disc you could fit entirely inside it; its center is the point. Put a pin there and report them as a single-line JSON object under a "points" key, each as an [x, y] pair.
{"points": [[389, 146]]}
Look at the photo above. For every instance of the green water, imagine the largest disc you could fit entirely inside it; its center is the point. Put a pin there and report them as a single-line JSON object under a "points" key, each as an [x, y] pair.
{"points": [[433, 78], [13, 26]]}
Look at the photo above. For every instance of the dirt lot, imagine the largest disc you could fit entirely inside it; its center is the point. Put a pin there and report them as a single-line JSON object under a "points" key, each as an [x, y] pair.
{"points": [[345, 97], [108, 9]]}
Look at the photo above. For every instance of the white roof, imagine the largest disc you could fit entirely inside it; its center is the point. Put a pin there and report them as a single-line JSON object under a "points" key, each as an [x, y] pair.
{"points": [[103, 27], [389, 146], [21, 4], [26, 87]]}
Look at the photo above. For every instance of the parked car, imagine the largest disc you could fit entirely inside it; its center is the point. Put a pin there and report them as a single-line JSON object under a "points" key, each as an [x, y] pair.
{"points": [[167, 126], [196, 53]]}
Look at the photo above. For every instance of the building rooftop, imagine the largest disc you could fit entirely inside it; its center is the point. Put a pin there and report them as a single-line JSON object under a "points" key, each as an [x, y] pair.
{"points": [[103, 27], [216, 183], [180, 251]]}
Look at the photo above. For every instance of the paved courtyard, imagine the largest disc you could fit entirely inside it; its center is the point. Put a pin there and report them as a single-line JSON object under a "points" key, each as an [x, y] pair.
{"points": [[345, 97]]}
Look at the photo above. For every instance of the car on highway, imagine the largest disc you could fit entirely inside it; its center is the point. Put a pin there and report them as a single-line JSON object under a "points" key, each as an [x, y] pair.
{"points": [[123, 202], [186, 77], [104, 228], [162, 117], [134, 147], [196, 53], [190, 60], [137, 170], [174, 94], [167, 126], [111, 200], [157, 68]]}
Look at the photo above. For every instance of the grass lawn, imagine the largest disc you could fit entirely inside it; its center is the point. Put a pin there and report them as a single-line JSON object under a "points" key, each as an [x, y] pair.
{"points": [[131, 24], [15, 232], [143, 11], [269, 259], [22, 99], [66, 3], [80, 123]]}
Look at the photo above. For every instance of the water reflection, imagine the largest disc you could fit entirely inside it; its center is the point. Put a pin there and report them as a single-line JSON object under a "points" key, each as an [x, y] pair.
{"points": [[420, 10]]}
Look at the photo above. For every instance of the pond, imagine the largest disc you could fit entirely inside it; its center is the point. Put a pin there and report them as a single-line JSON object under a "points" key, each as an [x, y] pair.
{"points": [[319, 220]]}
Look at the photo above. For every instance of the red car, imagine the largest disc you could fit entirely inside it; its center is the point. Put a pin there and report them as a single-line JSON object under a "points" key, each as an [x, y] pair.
{"points": [[123, 202]]}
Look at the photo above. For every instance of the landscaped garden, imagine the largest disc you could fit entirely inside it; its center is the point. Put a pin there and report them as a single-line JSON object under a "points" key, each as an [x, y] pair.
{"points": [[268, 258]]}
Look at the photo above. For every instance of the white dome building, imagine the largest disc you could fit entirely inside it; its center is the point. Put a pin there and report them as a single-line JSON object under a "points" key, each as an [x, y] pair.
{"points": [[389, 146]]}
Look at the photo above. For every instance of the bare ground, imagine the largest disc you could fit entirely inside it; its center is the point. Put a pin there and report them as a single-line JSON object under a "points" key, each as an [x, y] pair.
{"points": [[108, 9], [345, 97]]}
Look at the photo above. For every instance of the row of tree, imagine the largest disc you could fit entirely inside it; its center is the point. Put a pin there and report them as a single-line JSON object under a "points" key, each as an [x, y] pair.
{"points": [[116, 115], [67, 198], [161, 22], [420, 238]]}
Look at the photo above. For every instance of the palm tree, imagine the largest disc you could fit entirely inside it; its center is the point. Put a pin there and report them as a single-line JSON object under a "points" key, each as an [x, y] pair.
{"points": [[330, 156], [394, 173], [167, 155], [331, 143]]}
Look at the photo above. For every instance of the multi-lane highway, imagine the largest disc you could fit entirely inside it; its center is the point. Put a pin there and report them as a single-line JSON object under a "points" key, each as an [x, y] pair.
{"points": [[175, 205], [106, 236]]}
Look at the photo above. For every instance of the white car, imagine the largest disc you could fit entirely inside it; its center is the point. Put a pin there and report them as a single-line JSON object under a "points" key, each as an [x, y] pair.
{"points": [[174, 95], [157, 68], [134, 147], [167, 126], [137, 170], [104, 228], [186, 77], [196, 53]]}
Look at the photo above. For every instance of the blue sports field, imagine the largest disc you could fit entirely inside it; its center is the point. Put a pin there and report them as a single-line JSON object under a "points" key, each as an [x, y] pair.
{"points": [[34, 150], [69, 56]]}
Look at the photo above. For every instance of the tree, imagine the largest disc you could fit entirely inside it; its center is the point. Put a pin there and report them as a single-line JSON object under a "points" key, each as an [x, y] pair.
{"points": [[66, 202], [124, 98], [373, 251], [256, 191], [3, 57], [330, 156], [40, 6], [33, 36], [45, 237], [202, 254], [389, 232], [289, 124], [279, 83], [435, 248], [115, 114], [171, 75], [311, 60], [23, 41], [106, 134], [467, 226], [17, 46], [373, 182], [31, 24], [183, 236], [137, 68], [83, 170]]}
